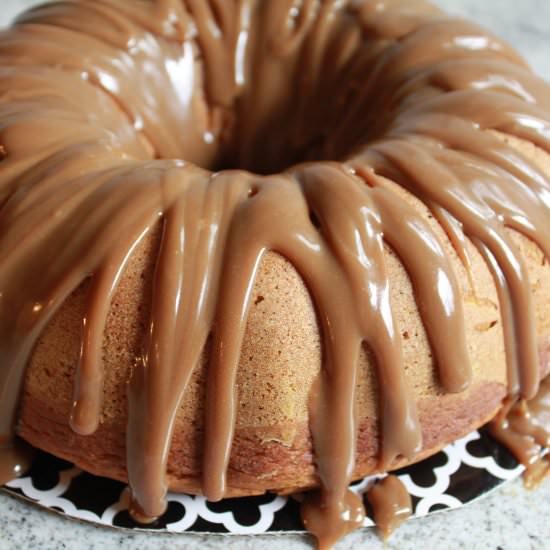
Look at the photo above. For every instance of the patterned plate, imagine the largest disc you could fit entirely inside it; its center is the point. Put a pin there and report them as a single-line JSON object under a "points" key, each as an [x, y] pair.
{"points": [[462, 472]]}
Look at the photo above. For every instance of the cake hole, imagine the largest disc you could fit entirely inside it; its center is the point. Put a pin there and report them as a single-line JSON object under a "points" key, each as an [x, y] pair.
{"points": [[485, 327], [267, 128], [259, 300]]}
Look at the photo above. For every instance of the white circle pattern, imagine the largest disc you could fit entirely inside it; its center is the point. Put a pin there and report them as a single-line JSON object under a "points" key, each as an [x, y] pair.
{"points": [[427, 499]]}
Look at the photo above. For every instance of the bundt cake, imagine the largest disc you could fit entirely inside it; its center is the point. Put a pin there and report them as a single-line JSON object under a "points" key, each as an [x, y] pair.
{"points": [[267, 245]]}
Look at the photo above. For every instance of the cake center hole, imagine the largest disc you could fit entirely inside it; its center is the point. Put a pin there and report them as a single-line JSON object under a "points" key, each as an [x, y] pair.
{"points": [[330, 124], [288, 135], [273, 119]]}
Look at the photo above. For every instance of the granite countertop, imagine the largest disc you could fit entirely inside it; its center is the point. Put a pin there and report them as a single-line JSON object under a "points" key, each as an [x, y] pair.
{"points": [[509, 518]]}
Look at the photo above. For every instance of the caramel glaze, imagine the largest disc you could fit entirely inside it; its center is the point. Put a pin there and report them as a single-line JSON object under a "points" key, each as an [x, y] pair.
{"points": [[524, 427], [97, 98], [391, 504], [16, 458]]}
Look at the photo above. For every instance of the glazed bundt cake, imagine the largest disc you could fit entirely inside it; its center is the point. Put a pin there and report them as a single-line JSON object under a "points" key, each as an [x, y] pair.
{"points": [[267, 245]]}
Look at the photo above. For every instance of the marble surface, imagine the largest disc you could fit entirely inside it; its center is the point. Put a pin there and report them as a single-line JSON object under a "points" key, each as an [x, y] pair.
{"points": [[508, 519]]}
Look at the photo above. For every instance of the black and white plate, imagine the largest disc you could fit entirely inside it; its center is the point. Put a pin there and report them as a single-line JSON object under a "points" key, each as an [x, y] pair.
{"points": [[462, 472]]}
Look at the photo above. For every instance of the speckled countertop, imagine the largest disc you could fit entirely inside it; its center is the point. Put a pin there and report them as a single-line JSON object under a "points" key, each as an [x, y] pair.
{"points": [[508, 519]]}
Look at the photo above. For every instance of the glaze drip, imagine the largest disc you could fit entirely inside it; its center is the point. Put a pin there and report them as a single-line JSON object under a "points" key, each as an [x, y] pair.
{"points": [[16, 458], [391, 504], [524, 428], [392, 99]]}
